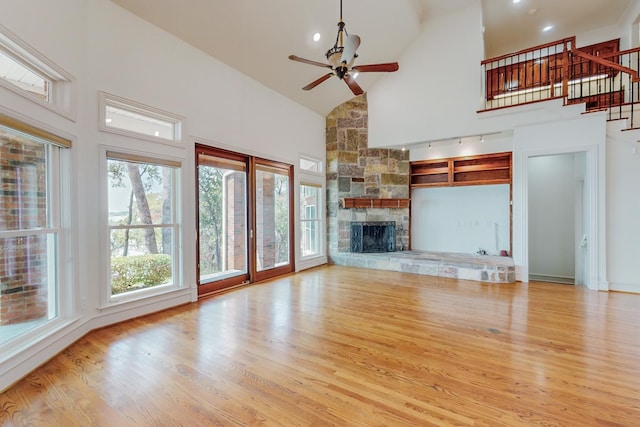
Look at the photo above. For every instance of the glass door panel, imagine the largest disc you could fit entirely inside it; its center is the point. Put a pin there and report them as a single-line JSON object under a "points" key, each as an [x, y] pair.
{"points": [[222, 220], [273, 215]]}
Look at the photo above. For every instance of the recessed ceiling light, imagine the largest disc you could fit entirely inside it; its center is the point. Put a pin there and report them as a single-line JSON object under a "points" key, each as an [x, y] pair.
{"points": [[516, 1], [547, 28], [316, 37]]}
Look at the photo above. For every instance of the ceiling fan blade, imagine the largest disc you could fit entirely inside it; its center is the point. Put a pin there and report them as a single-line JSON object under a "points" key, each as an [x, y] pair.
{"points": [[317, 82], [353, 85], [308, 61], [350, 47], [388, 67]]}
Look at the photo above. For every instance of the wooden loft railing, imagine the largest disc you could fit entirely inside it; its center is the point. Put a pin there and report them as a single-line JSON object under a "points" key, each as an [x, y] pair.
{"points": [[526, 76], [600, 76]]}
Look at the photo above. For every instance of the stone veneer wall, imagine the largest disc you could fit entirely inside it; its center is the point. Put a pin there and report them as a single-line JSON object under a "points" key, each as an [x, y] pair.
{"points": [[354, 170]]}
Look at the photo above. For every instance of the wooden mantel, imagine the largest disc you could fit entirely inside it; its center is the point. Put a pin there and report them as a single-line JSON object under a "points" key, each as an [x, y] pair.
{"points": [[363, 202]]}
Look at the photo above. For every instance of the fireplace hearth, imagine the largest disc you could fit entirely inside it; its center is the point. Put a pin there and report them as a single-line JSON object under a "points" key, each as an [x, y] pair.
{"points": [[373, 236]]}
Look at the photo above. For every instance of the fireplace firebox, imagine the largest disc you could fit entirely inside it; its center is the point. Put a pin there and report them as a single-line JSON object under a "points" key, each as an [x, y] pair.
{"points": [[373, 236]]}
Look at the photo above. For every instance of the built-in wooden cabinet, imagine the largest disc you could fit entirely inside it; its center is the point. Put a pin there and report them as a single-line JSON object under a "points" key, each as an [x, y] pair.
{"points": [[472, 170], [430, 172]]}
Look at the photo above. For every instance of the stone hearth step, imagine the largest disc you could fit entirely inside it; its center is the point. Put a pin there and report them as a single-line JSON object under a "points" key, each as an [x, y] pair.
{"points": [[482, 268]]}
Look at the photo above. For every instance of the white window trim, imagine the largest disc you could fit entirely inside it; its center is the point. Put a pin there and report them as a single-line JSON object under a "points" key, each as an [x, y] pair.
{"points": [[60, 185], [107, 99], [63, 91], [107, 299], [319, 162], [320, 213]]}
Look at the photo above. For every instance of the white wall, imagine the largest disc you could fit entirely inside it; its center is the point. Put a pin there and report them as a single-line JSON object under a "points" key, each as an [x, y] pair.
{"points": [[437, 86], [461, 219], [552, 191], [108, 49], [623, 209]]}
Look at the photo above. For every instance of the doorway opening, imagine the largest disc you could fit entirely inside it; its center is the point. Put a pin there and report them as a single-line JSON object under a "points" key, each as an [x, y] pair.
{"points": [[558, 218]]}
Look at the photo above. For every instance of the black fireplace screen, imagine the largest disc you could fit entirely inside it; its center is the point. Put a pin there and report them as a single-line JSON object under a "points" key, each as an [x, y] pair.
{"points": [[373, 236]]}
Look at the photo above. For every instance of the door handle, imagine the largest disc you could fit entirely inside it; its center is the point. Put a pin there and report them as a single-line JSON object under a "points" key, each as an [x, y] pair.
{"points": [[583, 242]]}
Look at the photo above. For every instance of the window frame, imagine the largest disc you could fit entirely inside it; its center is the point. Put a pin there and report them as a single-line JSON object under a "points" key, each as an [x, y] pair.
{"points": [[62, 92], [318, 220], [109, 100], [60, 283], [117, 153], [318, 171]]}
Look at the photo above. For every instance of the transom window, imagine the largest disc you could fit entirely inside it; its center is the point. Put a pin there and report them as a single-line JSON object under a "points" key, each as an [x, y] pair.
{"points": [[28, 73], [308, 164], [122, 116]]}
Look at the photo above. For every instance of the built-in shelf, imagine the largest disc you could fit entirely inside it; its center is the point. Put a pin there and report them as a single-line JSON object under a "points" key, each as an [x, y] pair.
{"points": [[363, 202], [472, 170]]}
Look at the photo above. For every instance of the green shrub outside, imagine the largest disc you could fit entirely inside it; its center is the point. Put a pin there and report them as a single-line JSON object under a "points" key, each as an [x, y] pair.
{"points": [[141, 271]]}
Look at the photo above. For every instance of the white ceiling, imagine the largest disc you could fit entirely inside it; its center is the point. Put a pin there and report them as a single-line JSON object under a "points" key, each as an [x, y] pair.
{"points": [[256, 36], [511, 27]]}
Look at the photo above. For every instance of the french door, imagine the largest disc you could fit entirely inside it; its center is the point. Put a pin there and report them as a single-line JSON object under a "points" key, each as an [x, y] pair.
{"points": [[245, 224]]}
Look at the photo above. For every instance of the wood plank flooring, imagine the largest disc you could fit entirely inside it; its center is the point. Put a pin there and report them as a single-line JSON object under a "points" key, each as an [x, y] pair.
{"points": [[352, 347]]}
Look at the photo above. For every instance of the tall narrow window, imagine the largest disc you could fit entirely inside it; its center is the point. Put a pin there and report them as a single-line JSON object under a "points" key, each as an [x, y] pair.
{"points": [[30, 227], [310, 221], [143, 228]]}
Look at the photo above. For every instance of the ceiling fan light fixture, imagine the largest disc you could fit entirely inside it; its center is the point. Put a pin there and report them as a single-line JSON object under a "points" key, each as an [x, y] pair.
{"points": [[334, 54], [341, 59]]}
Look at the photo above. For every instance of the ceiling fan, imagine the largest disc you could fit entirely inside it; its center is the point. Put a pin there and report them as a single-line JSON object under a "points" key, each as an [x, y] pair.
{"points": [[341, 58]]}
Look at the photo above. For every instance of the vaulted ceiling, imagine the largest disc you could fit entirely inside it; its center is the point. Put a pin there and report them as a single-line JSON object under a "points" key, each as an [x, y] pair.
{"points": [[256, 37]]}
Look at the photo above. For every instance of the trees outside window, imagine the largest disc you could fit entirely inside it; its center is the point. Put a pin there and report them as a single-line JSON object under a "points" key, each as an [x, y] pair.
{"points": [[142, 224]]}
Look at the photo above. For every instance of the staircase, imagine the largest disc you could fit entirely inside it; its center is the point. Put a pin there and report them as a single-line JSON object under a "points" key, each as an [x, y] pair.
{"points": [[600, 76]]}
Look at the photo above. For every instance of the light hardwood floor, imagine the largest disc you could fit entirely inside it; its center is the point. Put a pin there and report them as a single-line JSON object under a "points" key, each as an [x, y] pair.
{"points": [[346, 346]]}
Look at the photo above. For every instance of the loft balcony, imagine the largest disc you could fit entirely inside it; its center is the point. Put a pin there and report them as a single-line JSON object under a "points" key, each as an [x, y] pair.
{"points": [[599, 75]]}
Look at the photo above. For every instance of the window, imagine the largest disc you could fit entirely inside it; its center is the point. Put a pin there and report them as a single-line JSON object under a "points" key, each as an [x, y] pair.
{"points": [[30, 74], [31, 234], [122, 116], [310, 221], [19, 75], [143, 227], [308, 164]]}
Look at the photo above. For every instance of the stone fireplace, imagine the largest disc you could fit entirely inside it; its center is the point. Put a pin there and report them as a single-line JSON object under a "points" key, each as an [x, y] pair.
{"points": [[356, 171], [373, 236], [365, 187]]}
